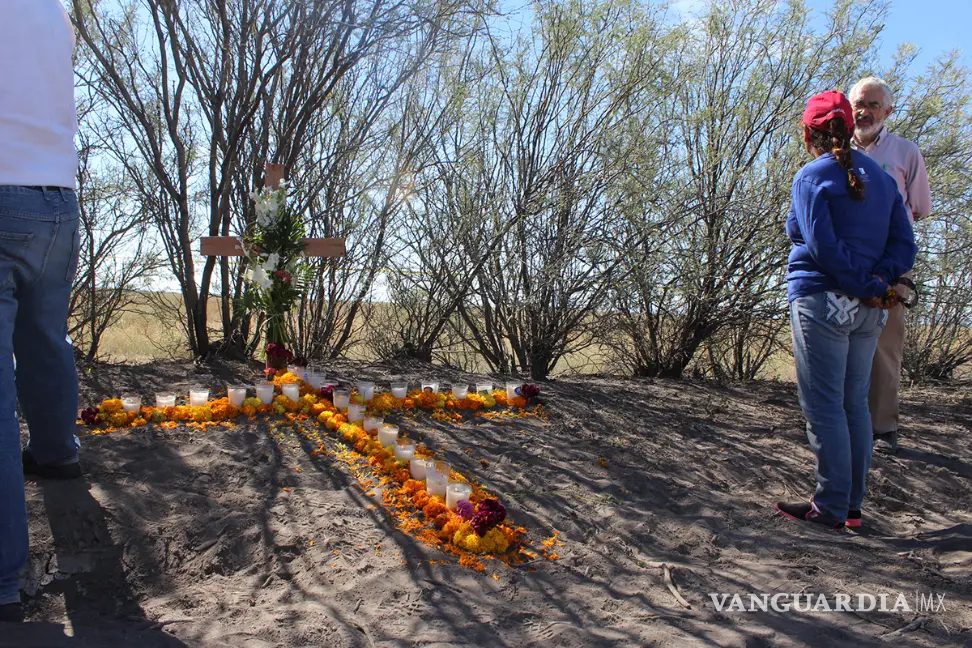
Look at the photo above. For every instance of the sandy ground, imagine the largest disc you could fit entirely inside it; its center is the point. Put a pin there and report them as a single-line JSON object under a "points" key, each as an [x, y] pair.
{"points": [[186, 538]]}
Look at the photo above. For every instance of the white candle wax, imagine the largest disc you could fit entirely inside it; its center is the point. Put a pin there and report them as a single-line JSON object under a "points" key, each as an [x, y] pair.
{"points": [[236, 395], [131, 403], [459, 392], [513, 389], [341, 397], [198, 396], [404, 451], [265, 393], [484, 387], [388, 435], [418, 468], [399, 390], [373, 423], [366, 390], [316, 380], [437, 484], [356, 413], [457, 492], [165, 400], [292, 392]]}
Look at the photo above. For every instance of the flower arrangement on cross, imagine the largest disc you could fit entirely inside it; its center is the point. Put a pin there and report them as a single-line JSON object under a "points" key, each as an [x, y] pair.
{"points": [[277, 272]]}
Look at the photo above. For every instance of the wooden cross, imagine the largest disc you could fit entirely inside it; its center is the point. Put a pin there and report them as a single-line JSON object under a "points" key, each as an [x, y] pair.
{"points": [[232, 246]]}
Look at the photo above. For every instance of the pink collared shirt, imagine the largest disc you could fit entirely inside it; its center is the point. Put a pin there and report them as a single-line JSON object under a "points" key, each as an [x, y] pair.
{"points": [[903, 161]]}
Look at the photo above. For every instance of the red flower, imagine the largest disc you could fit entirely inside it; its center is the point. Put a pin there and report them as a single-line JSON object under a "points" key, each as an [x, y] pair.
{"points": [[269, 372], [278, 352], [488, 514], [529, 391], [284, 276], [89, 416]]}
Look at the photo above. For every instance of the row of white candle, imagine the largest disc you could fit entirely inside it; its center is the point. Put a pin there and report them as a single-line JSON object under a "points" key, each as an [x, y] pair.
{"points": [[366, 389], [200, 396], [435, 473], [340, 397]]}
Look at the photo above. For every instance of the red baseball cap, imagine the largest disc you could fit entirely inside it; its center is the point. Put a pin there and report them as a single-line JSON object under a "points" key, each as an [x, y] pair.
{"points": [[823, 107]]}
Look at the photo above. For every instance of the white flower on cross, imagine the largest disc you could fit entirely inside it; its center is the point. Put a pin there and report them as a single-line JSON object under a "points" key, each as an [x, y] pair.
{"points": [[259, 276], [271, 263]]}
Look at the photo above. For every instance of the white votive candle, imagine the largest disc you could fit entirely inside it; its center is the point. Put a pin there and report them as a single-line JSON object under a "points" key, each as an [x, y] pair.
{"points": [[236, 395], [373, 423], [131, 402], [443, 468], [459, 392], [165, 400], [388, 435], [291, 391], [484, 387], [265, 393], [513, 389], [457, 492], [418, 468], [430, 387], [356, 413], [198, 396], [399, 389], [316, 380], [341, 398], [437, 484], [404, 451], [366, 390]]}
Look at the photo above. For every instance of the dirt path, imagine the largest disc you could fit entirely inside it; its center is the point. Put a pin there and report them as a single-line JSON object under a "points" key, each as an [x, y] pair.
{"points": [[182, 538]]}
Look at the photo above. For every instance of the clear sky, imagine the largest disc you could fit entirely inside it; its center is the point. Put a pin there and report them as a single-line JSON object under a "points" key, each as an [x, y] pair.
{"points": [[934, 26]]}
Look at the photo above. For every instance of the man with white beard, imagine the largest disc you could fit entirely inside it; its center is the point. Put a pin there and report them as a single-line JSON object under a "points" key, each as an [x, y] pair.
{"points": [[873, 102]]}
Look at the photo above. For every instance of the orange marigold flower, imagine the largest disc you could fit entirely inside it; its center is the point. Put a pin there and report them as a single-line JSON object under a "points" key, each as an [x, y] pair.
{"points": [[401, 475], [441, 519], [412, 486], [434, 508]]}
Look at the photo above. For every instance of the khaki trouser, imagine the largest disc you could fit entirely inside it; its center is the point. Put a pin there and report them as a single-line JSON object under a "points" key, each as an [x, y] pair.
{"points": [[886, 373]]}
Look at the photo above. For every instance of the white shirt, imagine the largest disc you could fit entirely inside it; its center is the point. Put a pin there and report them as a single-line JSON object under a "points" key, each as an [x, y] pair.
{"points": [[38, 120]]}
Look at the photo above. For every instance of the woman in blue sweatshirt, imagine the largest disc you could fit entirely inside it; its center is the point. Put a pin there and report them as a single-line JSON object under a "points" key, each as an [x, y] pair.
{"points": [[851, 241]]}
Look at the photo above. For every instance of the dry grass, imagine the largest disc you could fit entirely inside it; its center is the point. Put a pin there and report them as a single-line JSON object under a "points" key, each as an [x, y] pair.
{"points": [[148, 332]]}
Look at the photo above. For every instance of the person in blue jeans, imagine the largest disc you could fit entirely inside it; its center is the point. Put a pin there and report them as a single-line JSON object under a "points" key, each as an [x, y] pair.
{"points": [[38, 260], [851, 240]]}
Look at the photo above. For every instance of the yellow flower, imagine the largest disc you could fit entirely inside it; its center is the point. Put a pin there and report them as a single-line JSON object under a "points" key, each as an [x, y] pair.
{"points": [[471, 543], [119, 419], [201, 413], [112, 405]]}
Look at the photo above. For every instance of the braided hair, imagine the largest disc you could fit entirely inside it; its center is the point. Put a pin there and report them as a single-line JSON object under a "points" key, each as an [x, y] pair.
{"points": [[836, 139]]}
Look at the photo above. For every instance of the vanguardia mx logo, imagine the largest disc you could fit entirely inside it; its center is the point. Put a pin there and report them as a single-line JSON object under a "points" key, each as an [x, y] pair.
{"points": [[785, 602], [930, 602]]}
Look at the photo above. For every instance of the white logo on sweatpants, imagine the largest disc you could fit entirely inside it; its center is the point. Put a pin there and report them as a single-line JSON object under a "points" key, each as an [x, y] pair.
{"points": [[842, 309]]}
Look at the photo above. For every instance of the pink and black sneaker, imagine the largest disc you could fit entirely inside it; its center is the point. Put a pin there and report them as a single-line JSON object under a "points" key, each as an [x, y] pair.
{"points": [[807, 512], [853, 520]]}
